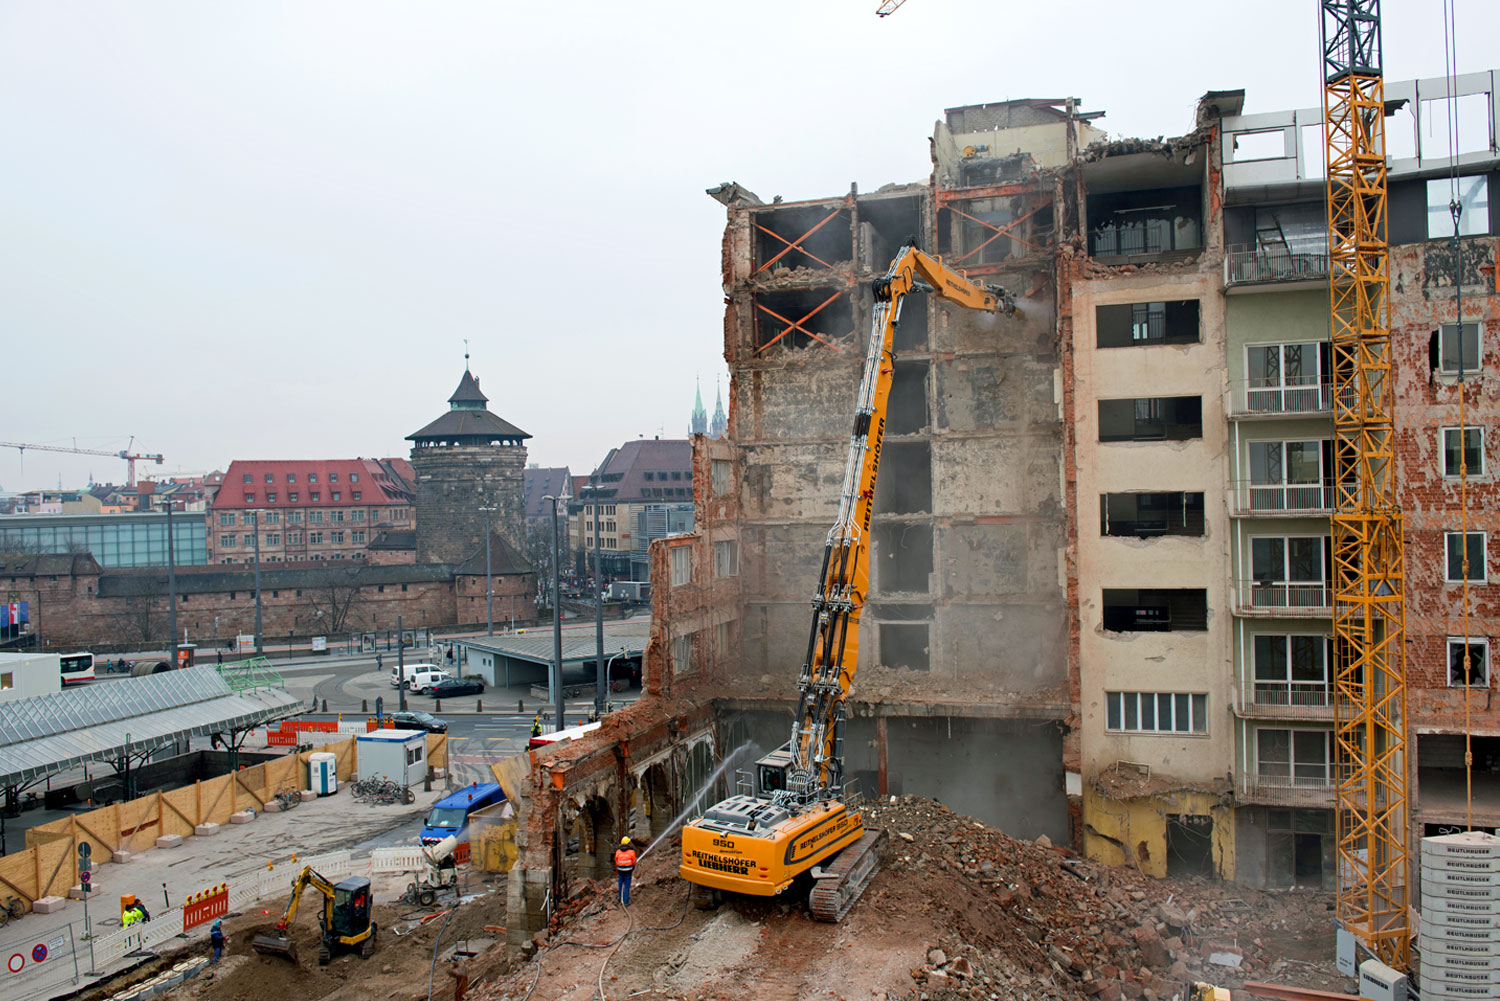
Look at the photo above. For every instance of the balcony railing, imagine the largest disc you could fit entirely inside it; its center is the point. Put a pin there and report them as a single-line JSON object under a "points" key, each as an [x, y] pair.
{"points": [[1261, 499], [1287, 700], [1248, 265], [1301, 599], [1285, 790], [1292, 395]]}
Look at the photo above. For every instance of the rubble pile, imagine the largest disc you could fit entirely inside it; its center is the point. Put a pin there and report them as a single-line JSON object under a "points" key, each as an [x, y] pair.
{"points": [[1028, 920]]}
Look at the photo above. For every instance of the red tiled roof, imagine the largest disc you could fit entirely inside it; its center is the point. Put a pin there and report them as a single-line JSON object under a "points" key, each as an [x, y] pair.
{"points": [[375, 486]]}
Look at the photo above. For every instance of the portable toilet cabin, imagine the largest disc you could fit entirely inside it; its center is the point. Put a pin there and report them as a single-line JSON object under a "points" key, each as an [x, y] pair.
{"points": [[323, 773], [398, 755]]}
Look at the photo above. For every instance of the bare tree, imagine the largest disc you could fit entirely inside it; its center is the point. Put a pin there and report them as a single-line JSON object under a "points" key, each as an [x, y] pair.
{"points": [[142, 618], [332, 605]]}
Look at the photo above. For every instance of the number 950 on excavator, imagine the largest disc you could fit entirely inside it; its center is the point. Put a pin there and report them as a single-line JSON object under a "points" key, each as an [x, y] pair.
{"points": [[800, 819]]}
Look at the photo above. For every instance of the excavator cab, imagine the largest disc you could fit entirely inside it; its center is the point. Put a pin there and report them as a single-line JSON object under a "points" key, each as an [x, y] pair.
{"points": [[351, 907], [773, 772]]}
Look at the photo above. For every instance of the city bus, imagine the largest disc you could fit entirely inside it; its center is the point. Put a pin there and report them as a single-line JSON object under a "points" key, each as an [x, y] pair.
{"points": [[77, 667]]}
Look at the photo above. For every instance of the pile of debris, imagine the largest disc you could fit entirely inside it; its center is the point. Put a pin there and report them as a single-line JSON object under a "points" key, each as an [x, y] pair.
{"points": [[1039, 921]]}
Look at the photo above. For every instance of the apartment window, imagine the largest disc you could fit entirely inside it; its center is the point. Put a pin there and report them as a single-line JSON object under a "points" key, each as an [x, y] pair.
{"points": [[353, 477], [336, 537], [357, 537], [1291, 475], [648, 476], [270, 477], [676, 474], [1294, 757], [719, 472], [1157, 418], [249, 478], [1456, 353], [291, 498], [248, 518], [357, 515], [1292, 670], [1476, 674], [226, 541], [312, 477], [333, 477], [273, 539], [1158, 610], [270, 498], [726, 559], [291, 477], [682, 654], [1146, 222], [1156, 712], [294, 517], [1473, 195], [316, 517], [1144, 516], [314, 538], [226, 519], [315, 497], [249, 540], [337, 495], [1139, 323], [1289, 571], [1470, 452], [294, 538], [354, 495], [272, 517], [249, 498], [336, 515], [682, 565], [1453, 547], [1289, 378]]}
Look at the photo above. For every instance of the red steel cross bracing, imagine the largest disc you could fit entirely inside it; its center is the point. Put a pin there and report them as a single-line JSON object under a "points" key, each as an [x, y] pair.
{"points": [[797, 243], [797, 324]]}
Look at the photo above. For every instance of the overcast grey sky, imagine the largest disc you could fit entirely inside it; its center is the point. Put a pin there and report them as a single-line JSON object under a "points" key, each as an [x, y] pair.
{"points": [[262, 230]]}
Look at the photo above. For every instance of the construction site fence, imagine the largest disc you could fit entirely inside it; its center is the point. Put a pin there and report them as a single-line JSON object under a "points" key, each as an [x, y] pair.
{"points": [[40, 964], [48, 867]]}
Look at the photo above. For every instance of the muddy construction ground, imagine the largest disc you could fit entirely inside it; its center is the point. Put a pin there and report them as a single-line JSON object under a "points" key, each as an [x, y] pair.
{"points": [[958, 910]]}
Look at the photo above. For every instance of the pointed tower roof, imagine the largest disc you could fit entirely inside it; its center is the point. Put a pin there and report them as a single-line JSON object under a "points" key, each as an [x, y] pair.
{"points": [[699, 423], [468, 421], [719, 427], [468, 393]]}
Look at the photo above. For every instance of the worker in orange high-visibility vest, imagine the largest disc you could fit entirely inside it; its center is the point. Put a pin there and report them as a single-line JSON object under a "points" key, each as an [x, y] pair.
{"points": [[625, 868]]}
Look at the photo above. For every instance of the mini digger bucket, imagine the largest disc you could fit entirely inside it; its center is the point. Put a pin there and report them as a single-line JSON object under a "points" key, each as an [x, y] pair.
{"points": [[275, 945]]}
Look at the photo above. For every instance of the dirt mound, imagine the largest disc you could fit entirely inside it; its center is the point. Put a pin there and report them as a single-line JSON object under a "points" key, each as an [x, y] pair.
{"points": [[959, 910]]}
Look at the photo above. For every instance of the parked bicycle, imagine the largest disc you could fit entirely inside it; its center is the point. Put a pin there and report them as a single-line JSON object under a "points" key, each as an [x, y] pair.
{"points": [[14, 908], [381, 792], [288, 797]]}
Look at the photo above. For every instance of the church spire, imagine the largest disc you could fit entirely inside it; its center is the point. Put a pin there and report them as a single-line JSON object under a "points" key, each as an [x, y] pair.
{"points": [[699, 423], [719, 427]]}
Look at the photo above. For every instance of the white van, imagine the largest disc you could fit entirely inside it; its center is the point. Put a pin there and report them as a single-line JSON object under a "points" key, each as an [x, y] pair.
{"points": [[420, 677]]}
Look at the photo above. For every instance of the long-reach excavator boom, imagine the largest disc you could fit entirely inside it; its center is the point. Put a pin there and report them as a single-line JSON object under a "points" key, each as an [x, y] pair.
{"points": [[798, 818]]}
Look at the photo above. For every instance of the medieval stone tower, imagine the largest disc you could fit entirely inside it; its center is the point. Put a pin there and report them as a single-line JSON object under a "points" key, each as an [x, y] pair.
{"points": [[465, 461]]}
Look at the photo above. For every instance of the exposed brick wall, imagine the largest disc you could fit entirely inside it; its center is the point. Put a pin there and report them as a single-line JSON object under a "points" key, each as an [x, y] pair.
{"points": [[1423, 297]]}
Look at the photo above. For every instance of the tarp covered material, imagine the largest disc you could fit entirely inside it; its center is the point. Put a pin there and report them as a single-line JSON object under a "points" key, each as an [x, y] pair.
{"points": [[49, 733]]}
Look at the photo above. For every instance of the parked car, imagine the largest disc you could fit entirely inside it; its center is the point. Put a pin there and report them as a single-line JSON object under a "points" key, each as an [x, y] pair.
{"points": [[418, 721], [455, 686], [419, 677]]}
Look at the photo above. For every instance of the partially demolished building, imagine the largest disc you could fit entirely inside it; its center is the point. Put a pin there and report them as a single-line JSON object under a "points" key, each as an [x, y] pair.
{"points": [[1100, 607]]}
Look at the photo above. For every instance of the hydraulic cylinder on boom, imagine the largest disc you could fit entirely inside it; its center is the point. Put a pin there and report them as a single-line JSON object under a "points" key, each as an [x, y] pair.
{"points": [[799, 817]]}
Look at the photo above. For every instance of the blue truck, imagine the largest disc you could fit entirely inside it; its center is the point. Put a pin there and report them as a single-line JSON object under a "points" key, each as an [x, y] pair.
{"points": [[450, 815]]}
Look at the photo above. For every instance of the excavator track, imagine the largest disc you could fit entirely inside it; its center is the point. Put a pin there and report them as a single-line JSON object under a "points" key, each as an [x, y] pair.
{"points": [[838, 886]]}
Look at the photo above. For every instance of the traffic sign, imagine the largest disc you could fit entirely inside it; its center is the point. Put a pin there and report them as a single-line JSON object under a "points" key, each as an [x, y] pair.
{"points": [[39, 953], [84, 877], [85, 849]]}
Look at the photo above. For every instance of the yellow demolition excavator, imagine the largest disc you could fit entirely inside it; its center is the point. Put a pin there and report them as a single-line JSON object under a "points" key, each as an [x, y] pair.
{"points": [[799, 819], [343, 921]]}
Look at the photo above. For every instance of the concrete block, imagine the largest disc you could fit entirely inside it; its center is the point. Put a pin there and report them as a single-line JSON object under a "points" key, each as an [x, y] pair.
{"points": [[242, 817], [120, 858], [75, 892], [206, 830], [48, 905], [307, 795], [169, 841], [272, 806]]}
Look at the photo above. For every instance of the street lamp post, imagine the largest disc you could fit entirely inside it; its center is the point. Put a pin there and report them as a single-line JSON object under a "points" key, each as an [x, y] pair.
{"points": [[489, 588], [255, 515], [557, 679], [599, 696], [171, 587]]}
